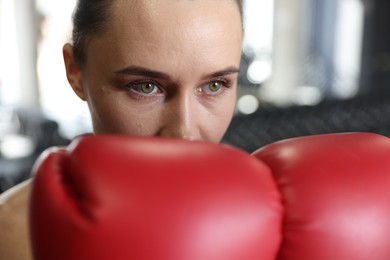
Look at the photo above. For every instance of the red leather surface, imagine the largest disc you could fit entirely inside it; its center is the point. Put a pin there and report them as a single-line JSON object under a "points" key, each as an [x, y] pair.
{"points": [[117, 197], [336, 193]]}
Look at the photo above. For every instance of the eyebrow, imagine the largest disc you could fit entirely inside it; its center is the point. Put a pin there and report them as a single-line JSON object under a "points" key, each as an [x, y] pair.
{"points": [[141, 71], [224, 72]]}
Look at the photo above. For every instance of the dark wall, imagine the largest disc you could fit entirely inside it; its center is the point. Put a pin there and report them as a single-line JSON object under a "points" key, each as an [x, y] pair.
{"points": [[375, 76]]}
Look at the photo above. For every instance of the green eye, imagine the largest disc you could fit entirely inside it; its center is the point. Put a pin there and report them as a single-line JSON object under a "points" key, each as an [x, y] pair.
{"points": [[215, 86], [148, 88], [145, 88]]}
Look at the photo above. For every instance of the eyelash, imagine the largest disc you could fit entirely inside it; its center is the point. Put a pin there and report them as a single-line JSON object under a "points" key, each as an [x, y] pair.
{"points": [[225, 84], [137, 93]]}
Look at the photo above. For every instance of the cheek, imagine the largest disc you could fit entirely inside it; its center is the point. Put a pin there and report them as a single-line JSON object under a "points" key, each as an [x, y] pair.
{"points": [[114, 116], [219, 118]]}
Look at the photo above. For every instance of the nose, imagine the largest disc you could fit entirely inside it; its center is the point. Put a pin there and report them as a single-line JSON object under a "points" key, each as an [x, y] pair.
{"points": [[180, 118]]}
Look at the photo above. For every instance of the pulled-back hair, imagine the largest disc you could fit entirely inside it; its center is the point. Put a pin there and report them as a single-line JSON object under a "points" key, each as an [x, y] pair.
{"points": [[89, 18]]}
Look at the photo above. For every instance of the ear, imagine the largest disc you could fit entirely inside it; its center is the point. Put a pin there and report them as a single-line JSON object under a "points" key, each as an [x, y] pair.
{"points": [[73, 71]]}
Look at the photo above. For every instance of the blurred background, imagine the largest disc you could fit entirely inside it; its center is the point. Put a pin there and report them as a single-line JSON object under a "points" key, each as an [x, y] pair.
{"points": [[308, 67]]}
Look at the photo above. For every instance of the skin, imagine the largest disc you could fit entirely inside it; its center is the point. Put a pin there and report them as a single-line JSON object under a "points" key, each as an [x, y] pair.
{"points": [[14, 242], [186, 52], [172, 74]]}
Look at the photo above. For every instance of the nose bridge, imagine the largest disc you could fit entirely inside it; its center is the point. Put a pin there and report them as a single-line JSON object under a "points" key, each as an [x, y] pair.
{"points": [[182, 110], [181, 117]]}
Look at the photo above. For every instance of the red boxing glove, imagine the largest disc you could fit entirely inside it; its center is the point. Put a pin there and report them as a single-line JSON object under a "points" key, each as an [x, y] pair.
{"points": [[120, 197], [336, 191]]}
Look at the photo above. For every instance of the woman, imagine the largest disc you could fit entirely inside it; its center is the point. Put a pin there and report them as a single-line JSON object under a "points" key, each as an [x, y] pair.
{"points": [[152, 68]]}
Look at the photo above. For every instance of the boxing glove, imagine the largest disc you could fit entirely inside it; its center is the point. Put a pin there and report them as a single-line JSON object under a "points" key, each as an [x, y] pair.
{"points": [[121, 197], [336, 194]]}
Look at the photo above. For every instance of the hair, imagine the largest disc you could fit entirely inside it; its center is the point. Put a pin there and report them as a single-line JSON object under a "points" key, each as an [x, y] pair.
{"points": [[89, 18]]}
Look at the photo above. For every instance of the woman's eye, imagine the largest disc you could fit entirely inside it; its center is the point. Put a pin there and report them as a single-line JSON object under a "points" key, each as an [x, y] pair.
{"points": [[213, 88], [146, 88]]}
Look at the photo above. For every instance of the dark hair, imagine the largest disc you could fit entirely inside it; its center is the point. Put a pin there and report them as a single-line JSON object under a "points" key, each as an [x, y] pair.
{"points": [[89, 18]]}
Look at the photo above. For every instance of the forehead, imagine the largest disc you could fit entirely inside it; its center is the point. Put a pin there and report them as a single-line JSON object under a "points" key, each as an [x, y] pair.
{"points": [[166, 32], [151, 13], [137, 15], [148, 5]]}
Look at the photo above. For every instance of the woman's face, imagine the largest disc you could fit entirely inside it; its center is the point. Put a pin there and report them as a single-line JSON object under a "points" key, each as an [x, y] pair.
{"points": [[162, 68]]}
